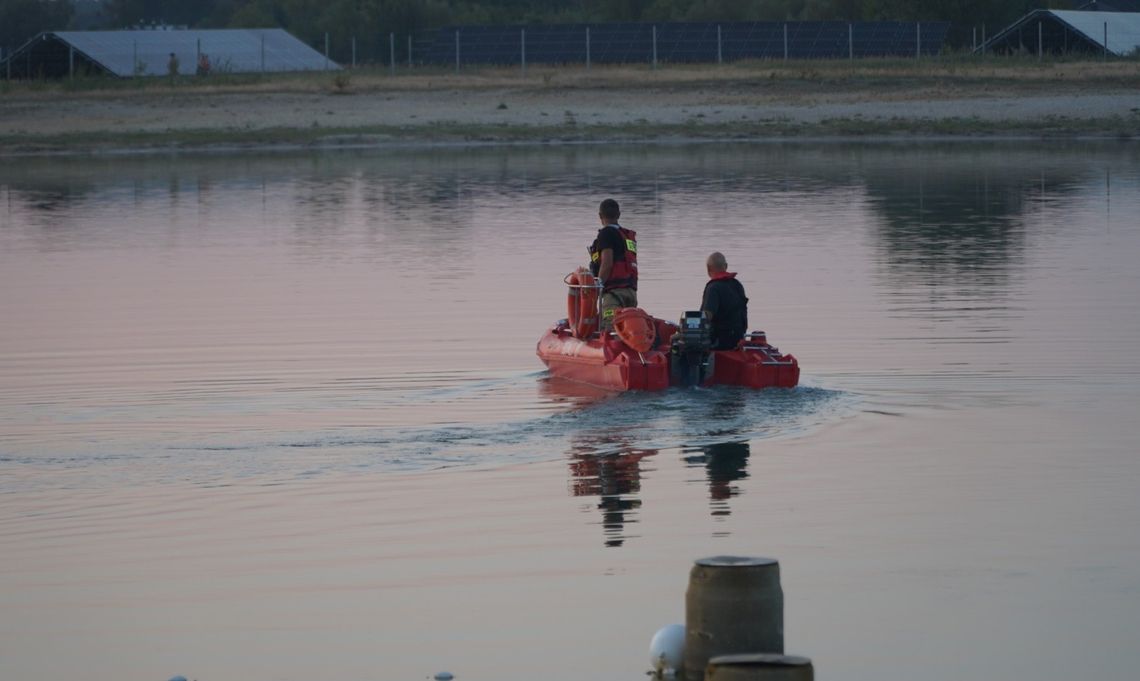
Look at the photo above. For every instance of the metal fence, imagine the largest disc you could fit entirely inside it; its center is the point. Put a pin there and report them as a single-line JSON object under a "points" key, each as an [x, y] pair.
{"points": [[620, 43], [676, 42]]}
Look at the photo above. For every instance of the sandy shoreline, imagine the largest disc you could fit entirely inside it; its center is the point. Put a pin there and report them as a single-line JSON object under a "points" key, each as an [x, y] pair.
{"points": [[566, 106]]}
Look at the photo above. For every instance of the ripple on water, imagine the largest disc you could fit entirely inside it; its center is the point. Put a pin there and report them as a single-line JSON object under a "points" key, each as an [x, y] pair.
{"points": [[562, 418]]}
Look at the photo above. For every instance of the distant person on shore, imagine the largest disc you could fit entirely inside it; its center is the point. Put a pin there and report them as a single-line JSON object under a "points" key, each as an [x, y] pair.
{"points": [[203, 64], [724, 303], [172, 66], [613, 260]]}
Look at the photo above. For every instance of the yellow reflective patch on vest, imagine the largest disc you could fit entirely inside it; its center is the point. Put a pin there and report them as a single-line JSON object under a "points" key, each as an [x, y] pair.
{"points": [[631, 245], [594, 257], [609, 314]]}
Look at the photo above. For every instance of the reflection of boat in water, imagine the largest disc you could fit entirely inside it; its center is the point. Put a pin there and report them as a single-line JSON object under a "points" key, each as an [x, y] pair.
{"points": [[604, 465], [646, 353], [614, 478], [725, 463], [611, 470]]}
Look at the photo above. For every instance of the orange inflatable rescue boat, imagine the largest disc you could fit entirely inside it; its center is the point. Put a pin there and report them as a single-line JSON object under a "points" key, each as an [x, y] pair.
{"points": [[643, 352]]}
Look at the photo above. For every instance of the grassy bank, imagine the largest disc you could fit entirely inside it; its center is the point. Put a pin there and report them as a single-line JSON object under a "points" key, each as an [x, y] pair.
{"points": [[459, 133], [1018, 73], [762, 84]]}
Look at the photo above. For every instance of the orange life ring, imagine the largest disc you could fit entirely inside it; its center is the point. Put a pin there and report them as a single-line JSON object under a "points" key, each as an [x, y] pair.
{"points": [[635, 328], [582, 303]]}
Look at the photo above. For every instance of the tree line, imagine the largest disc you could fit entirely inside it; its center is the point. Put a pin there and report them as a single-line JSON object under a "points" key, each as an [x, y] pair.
{"points": [[369, 22]]}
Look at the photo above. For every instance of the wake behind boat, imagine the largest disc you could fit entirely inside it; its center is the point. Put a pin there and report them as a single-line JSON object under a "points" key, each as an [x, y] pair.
{"points": [[643, 352]]}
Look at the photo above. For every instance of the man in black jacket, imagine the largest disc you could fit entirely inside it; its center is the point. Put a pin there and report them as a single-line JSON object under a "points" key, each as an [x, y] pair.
{"points": [[725, 304]]}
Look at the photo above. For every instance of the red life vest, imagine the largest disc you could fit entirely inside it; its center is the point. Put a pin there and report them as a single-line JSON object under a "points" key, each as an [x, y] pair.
{"points": [[624, 272]]}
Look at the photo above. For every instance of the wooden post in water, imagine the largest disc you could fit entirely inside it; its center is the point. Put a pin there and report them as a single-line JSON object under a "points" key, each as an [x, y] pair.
{"points": [[733, 605], [785, 41], [760, 667], [457, 50], [71, 62], [587, 48], [522, 51], [719, 54], [850, 41], [392, 52]]}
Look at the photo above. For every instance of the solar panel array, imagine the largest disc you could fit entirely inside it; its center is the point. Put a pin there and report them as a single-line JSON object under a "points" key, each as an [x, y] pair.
{"points": [[680, 42]]}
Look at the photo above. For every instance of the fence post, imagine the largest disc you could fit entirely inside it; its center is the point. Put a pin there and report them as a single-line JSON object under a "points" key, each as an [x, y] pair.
{"points": [[917, 39], [71, 62], [409, 52], [587, 48], [134, 58], [197, 53], [326, 51], [392, 53], [457, 50], [850, 41], [263, 53], [523, 52], [1039, 41], [354, 52], [719, 58], [785, 41], [1106, 41], [974, 40], [655, 47]]}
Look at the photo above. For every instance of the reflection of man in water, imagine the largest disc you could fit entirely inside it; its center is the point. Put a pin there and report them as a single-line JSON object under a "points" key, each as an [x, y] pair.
{"points": [[724, 303], [725, 463], [614, 477]]}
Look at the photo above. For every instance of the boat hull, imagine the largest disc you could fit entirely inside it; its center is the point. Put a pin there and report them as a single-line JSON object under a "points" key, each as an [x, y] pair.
{"points": [[606, 362], [602, 362], [755, 364]]}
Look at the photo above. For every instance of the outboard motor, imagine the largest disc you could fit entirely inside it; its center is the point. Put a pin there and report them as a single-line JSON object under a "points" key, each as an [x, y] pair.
{"points": [[690, 356]]}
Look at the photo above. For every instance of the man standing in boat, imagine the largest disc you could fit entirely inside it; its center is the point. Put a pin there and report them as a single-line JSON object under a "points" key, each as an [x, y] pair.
{"points": [[613, 260], [725, 304]]}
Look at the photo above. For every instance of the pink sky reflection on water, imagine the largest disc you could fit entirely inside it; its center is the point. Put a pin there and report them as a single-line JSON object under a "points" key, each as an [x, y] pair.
{"points": [[280, 417]]}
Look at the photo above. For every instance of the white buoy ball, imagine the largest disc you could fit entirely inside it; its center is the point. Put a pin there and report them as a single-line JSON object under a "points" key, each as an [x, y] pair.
{"points": [[667, 649]]}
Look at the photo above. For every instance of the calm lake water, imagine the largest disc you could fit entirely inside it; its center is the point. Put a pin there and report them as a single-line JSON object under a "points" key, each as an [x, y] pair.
{"points": [[278, 416]]}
